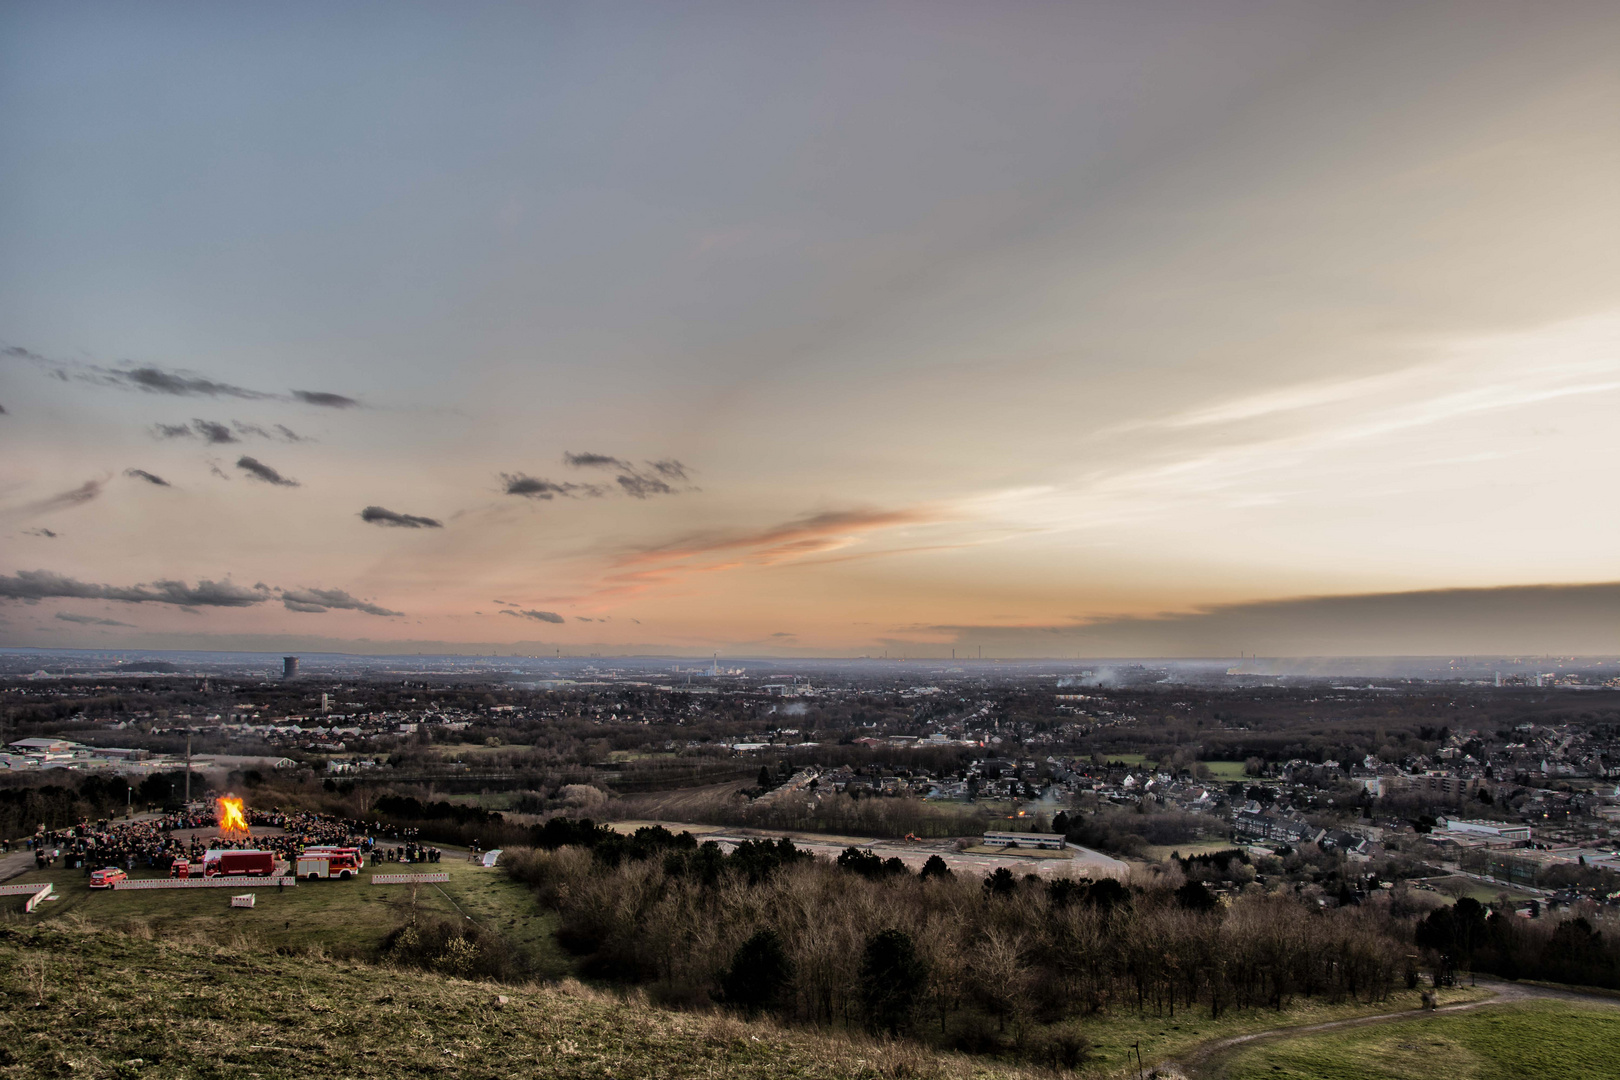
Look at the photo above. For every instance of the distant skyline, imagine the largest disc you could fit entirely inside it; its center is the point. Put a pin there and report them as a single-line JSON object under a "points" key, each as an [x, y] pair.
{"points": [[1147, 329]]}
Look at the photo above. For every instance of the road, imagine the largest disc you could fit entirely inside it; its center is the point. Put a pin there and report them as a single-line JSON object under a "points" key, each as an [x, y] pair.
{"points": [[1207, 1060]]}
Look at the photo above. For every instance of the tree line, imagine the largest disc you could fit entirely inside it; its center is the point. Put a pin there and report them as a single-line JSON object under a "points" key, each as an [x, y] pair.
{"points": [[997, 964]]}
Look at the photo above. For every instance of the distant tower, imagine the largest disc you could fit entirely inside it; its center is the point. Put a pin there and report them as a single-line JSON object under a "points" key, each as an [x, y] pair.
{"points": [[289, 667], [715, 670], [326, 703]]}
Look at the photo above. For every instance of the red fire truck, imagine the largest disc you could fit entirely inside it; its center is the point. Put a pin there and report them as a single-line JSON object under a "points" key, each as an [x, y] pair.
{"points": [[324, 861], [223, 863], [180, 868]]}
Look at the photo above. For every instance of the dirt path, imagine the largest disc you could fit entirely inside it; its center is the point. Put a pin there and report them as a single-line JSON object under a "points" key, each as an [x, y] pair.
{"points": [[1207, 1062], [15, 865]]}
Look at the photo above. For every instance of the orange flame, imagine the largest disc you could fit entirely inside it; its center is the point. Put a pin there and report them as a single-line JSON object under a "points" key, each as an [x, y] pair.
{"points": [[232, 819]]}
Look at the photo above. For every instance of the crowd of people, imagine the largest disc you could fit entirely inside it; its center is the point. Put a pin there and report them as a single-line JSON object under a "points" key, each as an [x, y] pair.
{"points": [[156, 843]]}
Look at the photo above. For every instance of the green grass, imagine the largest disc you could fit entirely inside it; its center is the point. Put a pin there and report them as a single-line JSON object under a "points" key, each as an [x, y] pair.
{"points": [[1165, 1039], [348, 917], [1225, 771], [81, 1001], [1542, 1040]]}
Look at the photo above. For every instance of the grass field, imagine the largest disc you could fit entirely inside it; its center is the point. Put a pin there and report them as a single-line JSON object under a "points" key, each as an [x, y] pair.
{"points": [[1225, 771], [80, 1001], [1542, 1040], [345, 917], [1165, 1039], [1484, 892]]}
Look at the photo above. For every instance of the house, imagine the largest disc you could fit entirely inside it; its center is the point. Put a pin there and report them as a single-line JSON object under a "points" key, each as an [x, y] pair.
{"points": [[1053, 841]]}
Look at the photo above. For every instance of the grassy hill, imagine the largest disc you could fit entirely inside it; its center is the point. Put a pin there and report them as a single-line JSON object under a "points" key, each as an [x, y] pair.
{"points": [[82, 1000], [1542, 1040], [340, 917]]}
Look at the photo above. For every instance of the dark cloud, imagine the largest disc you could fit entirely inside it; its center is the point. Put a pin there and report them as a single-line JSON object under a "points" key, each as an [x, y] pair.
{"points": [[155, 380], [172, 431], [320, 397], [46, 533], [260, 471], [289, 434], [588, 460], [1529, 619], [538, 616], [531, 487], [76, 497], [44, 585], [213, 431], [319, 600], [377, 515], [638, 486], [152, 379], [669, 469], [2, 410], [150, 478], [88, 620], [783, 633]]}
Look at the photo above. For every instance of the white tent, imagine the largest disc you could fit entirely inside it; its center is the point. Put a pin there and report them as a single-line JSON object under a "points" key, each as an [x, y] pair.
{"points": [[492, 857]]}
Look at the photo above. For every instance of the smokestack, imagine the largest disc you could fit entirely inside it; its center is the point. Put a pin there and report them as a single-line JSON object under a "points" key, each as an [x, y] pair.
{"points": [[289, 667]]}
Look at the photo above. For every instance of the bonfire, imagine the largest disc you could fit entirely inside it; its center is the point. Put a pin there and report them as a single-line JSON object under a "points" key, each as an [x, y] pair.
{"points": [[232, 817]]}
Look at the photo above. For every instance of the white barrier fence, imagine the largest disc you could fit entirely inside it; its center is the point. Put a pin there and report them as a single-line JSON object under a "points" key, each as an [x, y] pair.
{"points": [[43, 893], [245, 900], [408, 879], [19, 890], [205, 883]]}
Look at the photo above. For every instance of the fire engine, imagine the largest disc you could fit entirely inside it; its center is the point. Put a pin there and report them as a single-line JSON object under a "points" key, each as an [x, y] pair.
{"points": [[330, 862], [180, 868], [223, 863], [103, 879]]}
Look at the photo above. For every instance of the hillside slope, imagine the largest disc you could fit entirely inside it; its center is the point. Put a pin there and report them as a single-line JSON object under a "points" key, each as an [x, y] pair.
{"points": [[86, 1001]]}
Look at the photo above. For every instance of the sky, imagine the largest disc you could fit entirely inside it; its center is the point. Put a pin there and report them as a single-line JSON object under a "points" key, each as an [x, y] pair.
{"points": [[1086, 329]]}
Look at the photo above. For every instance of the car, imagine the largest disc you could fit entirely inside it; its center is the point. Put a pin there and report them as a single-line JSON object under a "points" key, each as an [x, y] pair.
{"points": [[103, 879]]}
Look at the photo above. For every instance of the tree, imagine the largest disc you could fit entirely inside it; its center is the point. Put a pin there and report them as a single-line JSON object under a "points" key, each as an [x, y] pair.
{"points": [[892, 979], [935, 868], [1195, 896], [1000, 883], [760, 971]]}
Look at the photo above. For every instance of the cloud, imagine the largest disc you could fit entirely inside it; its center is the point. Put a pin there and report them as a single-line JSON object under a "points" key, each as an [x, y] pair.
{"points": [[177, 382], [46, 533], [377, 515], [172, 431], [324, 399], [88, 620], [213, 431], [538, 616], [531, 487], [320, 600], [1519, 619], [669, 468], [813, 534], [78, 496], [588, 460], [155, 380], [290, 435], [783, 633], [150, 478], [43, 585], [259, 470], [638, 486]]}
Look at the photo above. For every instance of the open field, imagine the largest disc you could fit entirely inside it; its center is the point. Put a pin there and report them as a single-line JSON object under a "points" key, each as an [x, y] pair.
{"points": [[1225, 771], [345, 917], [1484, 891], [200, 1008], [1542, 1040]]}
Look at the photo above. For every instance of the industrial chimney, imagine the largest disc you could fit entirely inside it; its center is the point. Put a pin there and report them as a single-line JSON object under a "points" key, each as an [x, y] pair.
{"points": [[289, 667]]}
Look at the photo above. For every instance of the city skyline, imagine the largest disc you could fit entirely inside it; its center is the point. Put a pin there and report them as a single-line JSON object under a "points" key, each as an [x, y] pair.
{"points": [[1147, 330]]}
